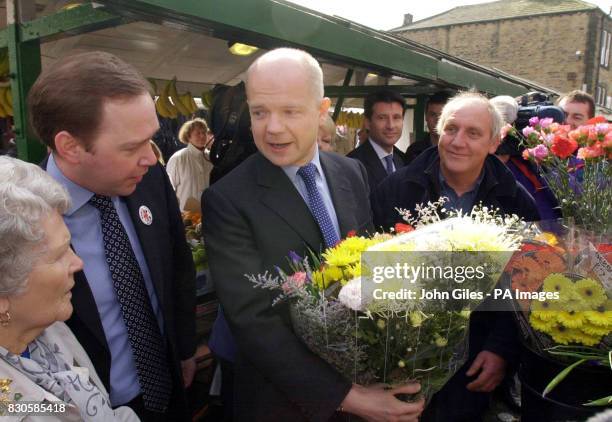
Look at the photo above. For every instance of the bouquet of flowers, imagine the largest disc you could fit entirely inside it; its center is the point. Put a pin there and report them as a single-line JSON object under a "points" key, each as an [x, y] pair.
{"points": [[569, 318], [582, 184], [389, 332]]}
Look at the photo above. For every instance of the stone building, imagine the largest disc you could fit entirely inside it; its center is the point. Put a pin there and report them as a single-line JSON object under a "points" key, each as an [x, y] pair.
{"points": [[561, 44]]}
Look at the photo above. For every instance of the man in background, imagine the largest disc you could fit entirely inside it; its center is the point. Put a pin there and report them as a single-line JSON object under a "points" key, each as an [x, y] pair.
{"points": [[578, 106], [384, 120], [433, 110]]}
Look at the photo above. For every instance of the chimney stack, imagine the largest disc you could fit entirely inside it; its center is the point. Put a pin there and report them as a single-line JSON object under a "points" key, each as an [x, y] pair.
{"points": [[407, 19]]}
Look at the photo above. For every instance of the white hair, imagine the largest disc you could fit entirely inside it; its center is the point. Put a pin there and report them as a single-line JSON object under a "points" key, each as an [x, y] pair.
{"points": [[27, 195], [309, 64], [506, 106], [464, 98]]}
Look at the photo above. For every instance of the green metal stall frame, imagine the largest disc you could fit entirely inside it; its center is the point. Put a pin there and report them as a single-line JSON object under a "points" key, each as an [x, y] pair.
{"points": [[263, 23]]}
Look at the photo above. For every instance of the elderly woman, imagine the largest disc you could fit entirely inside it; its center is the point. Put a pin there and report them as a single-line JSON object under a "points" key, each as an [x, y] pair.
{"points": [[43, 368], [189, 168]]}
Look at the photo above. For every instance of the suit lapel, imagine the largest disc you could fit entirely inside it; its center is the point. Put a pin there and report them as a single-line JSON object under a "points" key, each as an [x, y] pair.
{"points": [[342, 196], [371, 160], [282, 198], [147, 235]]}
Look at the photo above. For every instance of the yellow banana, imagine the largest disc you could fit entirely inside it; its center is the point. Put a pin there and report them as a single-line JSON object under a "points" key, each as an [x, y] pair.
{"points": [[192, 104], [185, 100], [176, 100], [159, 107], [170, 109], [207, 99], [3, 111], [8, 100]]}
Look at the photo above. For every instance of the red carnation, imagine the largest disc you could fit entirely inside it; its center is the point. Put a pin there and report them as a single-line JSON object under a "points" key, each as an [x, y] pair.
{"points": [[563, 147], [403, 228]]}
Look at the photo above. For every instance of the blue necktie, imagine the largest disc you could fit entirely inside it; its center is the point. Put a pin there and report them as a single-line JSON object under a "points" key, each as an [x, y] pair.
{"points": [[308, 173], [389, 160], [146, 341]]}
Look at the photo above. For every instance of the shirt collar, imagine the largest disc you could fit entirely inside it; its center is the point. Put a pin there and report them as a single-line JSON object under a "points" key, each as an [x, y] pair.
{"points": [[378, 149], [193, 150], [78, 194], [473, 188], [291, 171]]}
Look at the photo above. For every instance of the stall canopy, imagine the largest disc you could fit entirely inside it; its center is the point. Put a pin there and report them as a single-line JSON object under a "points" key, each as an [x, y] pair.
{"points": [[189, 40]]}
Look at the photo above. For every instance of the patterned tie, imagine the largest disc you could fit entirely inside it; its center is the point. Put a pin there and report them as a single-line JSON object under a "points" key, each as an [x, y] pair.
{"points": [[317, 206], [389, 160], [143, 330]]}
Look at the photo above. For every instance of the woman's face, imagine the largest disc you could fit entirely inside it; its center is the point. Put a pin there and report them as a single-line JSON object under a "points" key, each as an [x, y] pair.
{"points": [[199, 137], [47, 295]]}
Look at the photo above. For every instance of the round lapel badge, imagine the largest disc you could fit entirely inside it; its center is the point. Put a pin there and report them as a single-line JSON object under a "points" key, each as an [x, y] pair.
{"points": [[145, 215]]}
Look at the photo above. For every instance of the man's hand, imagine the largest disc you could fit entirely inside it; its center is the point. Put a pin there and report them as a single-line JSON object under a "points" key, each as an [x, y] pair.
{"points": [[492, 369], [188, 367], [377, 404]]}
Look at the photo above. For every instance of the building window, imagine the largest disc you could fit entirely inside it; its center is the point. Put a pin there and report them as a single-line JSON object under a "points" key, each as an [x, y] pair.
{"points": [[600, 97], [606, 40]]}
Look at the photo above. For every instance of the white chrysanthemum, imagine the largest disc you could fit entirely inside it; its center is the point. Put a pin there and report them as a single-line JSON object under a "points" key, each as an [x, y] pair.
{"points": [[350, 295]]}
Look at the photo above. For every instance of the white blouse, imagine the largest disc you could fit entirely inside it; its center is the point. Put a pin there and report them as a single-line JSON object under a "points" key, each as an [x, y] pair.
{"points": [[189, 172]]}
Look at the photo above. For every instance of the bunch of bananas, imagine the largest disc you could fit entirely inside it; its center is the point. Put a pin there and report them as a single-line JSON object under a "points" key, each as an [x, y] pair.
{"points": [[350, 119], [170, 103], [6, 96]]}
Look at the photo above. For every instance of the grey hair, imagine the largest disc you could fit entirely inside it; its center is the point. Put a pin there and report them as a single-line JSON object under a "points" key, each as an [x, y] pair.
{"points": [[506, 106], [463, 98], [27, 195], [308, 63]]}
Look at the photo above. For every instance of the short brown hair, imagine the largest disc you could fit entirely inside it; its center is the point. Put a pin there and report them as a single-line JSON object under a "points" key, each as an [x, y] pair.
{"points": [[71, 93], [189, 126], [578, 96]]}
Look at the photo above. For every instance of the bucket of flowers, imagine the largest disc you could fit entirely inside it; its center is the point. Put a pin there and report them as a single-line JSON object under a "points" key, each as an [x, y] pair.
{"points": [[567, 328], [396, 336], [576, 166]]}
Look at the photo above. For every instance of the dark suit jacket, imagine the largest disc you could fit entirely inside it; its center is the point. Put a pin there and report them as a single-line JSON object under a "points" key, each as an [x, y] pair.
{"points": [[252, 218], [376, 171], [173, 274]]}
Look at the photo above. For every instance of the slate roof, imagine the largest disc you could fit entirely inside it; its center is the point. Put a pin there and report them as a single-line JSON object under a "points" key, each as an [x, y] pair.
{"points": [[497, 10]]}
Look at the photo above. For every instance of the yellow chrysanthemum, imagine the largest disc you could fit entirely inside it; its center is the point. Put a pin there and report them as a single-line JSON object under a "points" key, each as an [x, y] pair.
{"points": [[440, 341], [332, 274], [341, 257], [544, 325], [580, 337], [595, 330], [547, 237], [317, 280], [602, 315], [571, 319], [545, 310], [560, 334], [590, 292], [354, 244], [573, 303], [556, 283]]}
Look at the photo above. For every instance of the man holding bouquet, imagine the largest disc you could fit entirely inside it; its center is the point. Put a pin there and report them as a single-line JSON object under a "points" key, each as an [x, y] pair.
{"points": [[288, 197], [463, 170]]}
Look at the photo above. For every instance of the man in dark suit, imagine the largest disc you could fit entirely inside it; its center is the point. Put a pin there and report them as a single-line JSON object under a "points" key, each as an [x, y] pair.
{"points": [[288, 196], [134, 301], [433, 110], [384, 120], [463, 169]]}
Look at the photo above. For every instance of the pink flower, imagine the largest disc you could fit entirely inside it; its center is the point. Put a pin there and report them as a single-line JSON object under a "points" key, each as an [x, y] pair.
{"points": [[526, 155], [594, 151], [504, 130], [294, 282], [544, 123], [534, 121], [540, 152], [528, 130]]}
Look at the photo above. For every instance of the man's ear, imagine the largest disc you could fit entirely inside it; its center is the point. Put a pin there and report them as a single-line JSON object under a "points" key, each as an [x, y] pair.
{"points": [[68, 147], [494, 144], [4, 304]]}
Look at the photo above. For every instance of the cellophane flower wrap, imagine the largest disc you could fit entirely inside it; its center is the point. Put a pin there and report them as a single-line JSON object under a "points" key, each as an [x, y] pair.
{"points": [[562, 279], [395, 340], [576, 166]]}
